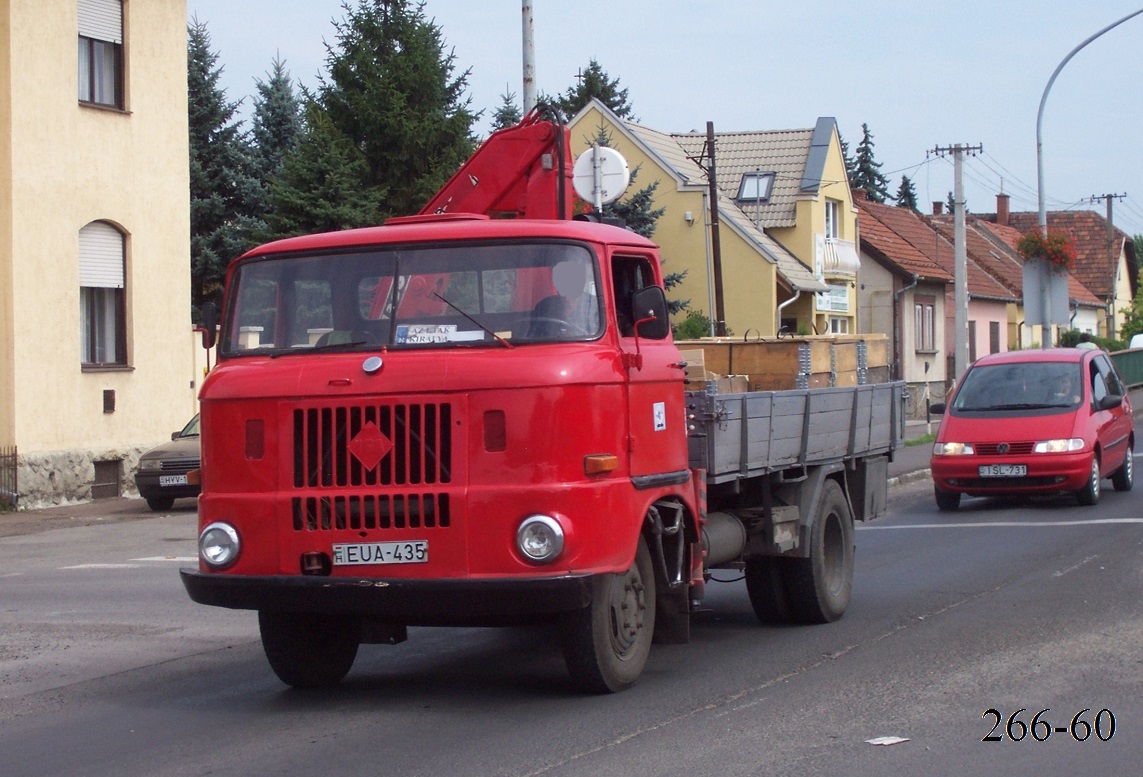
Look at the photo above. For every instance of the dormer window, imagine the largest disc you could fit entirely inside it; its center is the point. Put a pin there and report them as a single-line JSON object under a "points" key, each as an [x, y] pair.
{"points": [[755, 187]]}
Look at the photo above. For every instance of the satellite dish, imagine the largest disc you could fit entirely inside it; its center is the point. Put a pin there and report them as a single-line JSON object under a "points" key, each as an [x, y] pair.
{"points": [[614, 176]]}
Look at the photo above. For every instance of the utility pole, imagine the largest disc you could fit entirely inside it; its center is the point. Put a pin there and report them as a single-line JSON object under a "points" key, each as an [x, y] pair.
{"points": [[706, 160], [1112, 254], [960, 254], [529, 49]]}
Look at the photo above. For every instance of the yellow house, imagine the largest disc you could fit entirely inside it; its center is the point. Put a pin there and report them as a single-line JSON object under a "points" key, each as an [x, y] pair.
{"points": [[787, 224], [94, 242], [758, 273]]}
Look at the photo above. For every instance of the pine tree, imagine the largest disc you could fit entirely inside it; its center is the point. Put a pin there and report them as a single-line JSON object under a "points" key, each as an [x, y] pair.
{"points": [[277, 121], [508, 114], [867, 170], [906, 194], [391, 93], [224, 190], [319, 187], [594, 82]]}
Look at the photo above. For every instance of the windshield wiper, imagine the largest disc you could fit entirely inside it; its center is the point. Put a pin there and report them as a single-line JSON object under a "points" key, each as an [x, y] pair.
{"points": [[498, 338]]}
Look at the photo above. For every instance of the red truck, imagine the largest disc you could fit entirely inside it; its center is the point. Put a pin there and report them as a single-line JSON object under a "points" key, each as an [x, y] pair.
{"points": [[454, 419]]}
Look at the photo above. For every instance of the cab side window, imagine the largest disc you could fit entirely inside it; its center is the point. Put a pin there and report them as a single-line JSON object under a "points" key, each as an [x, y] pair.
{"points": [[628, 275]]}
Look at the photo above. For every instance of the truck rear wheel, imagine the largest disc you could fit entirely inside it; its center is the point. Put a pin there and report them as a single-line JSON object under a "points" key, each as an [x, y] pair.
{"points": [[766, 585], [818, 587], [606, 644], [309, 650]]}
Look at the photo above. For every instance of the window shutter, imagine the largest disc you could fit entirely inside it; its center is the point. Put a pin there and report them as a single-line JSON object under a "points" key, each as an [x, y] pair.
{"points": [[101, 20], [100, 256]]}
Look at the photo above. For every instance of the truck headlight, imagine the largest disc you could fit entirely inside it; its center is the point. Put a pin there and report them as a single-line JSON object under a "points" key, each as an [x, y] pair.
{"points": [[540, 538], [218, 545]]}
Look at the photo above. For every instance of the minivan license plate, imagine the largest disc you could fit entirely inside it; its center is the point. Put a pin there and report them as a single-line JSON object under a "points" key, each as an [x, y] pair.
{"points": [[408, 552], [1003, 470]]}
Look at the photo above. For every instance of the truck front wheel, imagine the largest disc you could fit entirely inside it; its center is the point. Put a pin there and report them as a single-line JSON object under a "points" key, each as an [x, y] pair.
{"points": [[606, 644], [309, 650], [818, 587]]}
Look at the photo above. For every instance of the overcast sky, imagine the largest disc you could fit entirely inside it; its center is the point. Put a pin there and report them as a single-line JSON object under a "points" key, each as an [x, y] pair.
{"points": [[920, 74]]}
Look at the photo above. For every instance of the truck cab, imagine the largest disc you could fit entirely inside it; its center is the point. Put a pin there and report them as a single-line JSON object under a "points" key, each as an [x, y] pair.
{"points": [[476, 416]]}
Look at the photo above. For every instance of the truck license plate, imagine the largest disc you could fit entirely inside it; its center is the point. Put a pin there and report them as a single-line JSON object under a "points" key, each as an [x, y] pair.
{"points": [[172, 480], [1003, 470], [408, 552]]}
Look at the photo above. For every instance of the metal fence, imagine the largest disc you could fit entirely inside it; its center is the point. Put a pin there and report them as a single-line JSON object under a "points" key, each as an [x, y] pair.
{"points": [[9, 486], [1129, 364]]}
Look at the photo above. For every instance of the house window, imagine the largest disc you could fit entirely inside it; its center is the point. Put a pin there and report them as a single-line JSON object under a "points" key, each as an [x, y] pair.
{"points": [[102, 296], [831, 217], [838, 325], [101, 52], [971, 342], [994, 337], [755, 187], [924, 324]]}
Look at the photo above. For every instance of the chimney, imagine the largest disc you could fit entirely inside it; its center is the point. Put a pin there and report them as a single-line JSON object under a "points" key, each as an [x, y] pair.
{"points": [[938, 207], [860, 194], [1002, 209]]}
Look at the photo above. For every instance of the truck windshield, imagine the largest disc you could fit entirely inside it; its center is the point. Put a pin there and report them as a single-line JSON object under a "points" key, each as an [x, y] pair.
{"points": [[471, 295]]}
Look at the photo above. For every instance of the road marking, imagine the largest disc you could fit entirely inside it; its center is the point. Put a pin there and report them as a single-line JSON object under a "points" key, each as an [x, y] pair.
{"points": [[180, 559], [993, 524], [103, 566]]}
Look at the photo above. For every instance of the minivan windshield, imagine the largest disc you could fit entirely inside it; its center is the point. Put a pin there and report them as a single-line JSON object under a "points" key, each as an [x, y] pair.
{"points": [[450, 296], [997, 388]]}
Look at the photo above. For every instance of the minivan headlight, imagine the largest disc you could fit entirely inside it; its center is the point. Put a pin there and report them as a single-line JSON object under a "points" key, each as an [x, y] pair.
{"points": [[1058, 446], [953, 449]]}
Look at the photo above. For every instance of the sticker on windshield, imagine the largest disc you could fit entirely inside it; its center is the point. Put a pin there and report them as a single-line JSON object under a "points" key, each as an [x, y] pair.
{"points": [[434, 333]]}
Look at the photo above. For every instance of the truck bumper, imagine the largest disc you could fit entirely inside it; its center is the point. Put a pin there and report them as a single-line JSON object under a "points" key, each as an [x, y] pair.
{"points": [[404, 601]]}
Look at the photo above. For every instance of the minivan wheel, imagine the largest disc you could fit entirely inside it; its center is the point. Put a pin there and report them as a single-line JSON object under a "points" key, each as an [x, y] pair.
{"points": [[1124, 477], [1089, 494], [947, 501]]}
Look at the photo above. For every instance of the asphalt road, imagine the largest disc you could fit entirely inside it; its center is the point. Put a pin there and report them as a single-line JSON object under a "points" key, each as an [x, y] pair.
{"points": [[106, 668]]}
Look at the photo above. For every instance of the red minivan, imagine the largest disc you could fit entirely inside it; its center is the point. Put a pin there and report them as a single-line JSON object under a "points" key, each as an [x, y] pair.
{"points": [[1047, 421]]}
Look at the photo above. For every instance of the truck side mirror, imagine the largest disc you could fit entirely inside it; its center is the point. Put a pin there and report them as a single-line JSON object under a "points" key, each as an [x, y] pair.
{"points": [[209, 325], [649, 308]]}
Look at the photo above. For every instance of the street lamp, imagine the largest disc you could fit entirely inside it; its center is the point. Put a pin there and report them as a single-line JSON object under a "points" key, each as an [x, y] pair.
{"points": [[1045, 318], [1040, 116]]}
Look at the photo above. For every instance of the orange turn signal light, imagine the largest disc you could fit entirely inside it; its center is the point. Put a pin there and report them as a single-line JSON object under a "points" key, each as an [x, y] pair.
{"points": [[599, 463], [194, 477]]}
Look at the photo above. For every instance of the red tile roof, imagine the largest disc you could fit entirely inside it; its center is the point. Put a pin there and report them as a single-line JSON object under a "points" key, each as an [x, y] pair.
{"points": [[922, 236], [877, 236]]}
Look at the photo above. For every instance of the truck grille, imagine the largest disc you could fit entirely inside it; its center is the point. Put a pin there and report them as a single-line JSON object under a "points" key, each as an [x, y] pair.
{"points": [[396, 457], [397, 511], [373, 445]]}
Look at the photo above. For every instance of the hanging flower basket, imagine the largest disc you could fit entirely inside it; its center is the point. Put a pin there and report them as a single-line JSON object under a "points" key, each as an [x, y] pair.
{"points": [[1058, 249]]}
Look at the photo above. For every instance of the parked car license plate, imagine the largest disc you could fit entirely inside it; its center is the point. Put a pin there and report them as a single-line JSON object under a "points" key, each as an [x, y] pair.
{"points": [[408, 552], [172, 480], [1003, 470]]}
